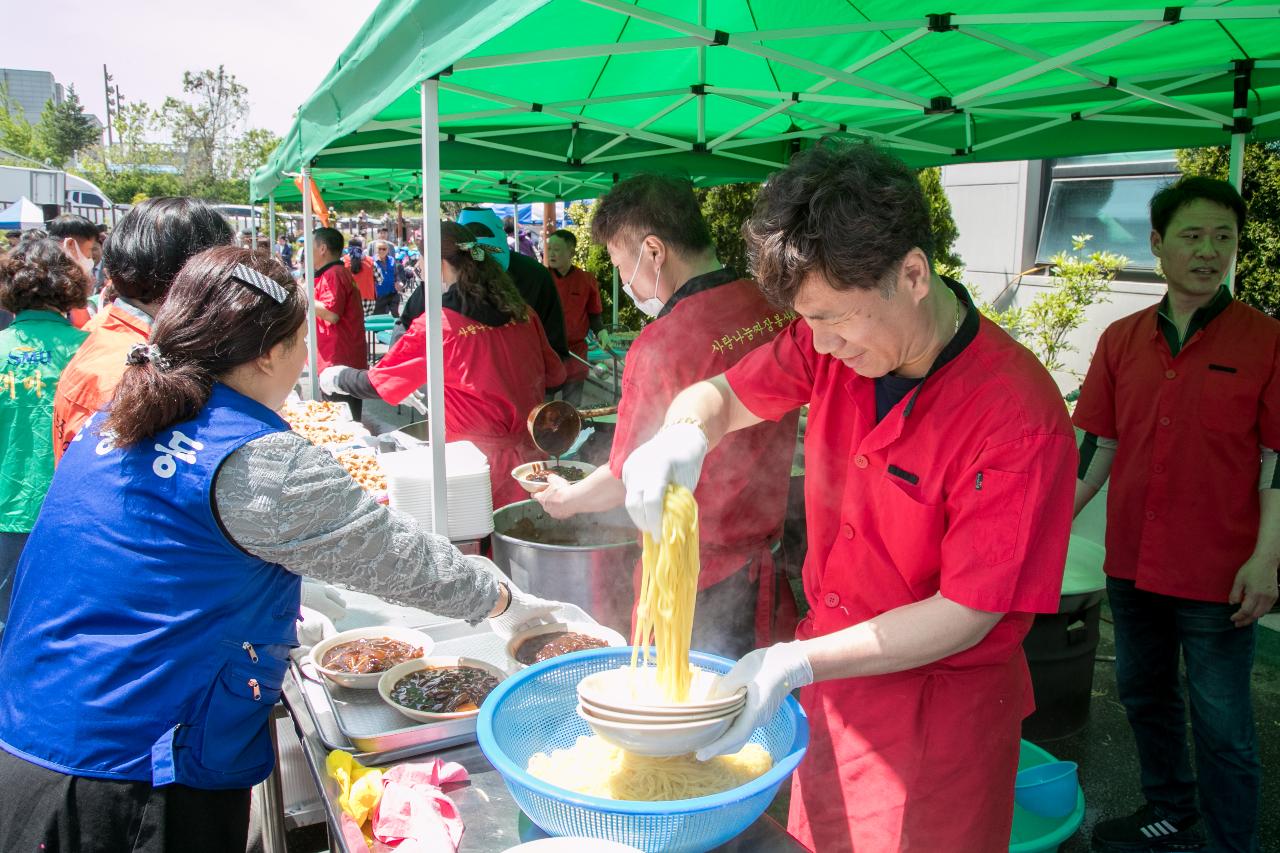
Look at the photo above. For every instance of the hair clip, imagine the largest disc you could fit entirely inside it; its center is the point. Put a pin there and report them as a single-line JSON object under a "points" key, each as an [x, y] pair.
{"points": [[146, 353], [248, 276], [477, 249]]}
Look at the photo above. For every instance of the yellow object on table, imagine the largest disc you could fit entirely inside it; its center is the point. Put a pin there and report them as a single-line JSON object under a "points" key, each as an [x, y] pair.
{"points": [[360, 786]]}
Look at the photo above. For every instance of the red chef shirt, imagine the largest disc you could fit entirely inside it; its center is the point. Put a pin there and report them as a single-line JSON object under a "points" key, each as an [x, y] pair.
{"points": [[579, 298], [965, 486], [1182, 507], [342, 342], [493, 377], [709, 325]]}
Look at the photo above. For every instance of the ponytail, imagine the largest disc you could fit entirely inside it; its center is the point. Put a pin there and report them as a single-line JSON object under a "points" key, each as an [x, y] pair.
{"points": [[227, 307]]}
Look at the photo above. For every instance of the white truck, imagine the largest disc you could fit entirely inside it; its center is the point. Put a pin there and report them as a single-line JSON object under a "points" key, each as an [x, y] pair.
{"points": [[69, 193]]}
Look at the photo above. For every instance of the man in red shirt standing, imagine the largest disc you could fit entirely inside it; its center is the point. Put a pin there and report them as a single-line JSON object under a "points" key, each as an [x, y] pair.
{"points": [[339, 313], [706, 319], [938, 484], [1180, 402], [580, 300]]}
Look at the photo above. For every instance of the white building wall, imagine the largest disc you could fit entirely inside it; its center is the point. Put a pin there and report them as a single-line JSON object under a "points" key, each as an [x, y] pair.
{"points": [[997, 209]]}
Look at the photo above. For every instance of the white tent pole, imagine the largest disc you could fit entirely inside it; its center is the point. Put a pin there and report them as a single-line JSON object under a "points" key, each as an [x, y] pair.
{"points": [[271, 216], [1235, 170], [309, 276], [434, 308]]}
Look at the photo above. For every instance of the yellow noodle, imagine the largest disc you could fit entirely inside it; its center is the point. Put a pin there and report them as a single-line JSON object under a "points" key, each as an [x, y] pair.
{"points": [[668, 590], [595, 767]]}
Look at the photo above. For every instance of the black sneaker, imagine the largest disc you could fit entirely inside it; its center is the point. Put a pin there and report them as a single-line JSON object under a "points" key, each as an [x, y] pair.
{"points": [[1145, 829]]}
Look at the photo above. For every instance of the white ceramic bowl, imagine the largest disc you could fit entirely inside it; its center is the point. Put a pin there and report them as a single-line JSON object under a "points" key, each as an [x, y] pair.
{"points": [[365, 681], [612, 689], [659, 719], [590, 629], [523, 472], [392, 676], [657, 739]]}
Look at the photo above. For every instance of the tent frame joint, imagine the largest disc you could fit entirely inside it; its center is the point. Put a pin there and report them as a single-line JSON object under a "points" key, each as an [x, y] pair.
{"points": [[941, 104], [941, 23], [1240, 124], [719, 38], [1172, 14], [698, 89]]}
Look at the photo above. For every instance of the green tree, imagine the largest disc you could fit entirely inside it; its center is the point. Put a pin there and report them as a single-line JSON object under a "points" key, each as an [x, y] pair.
{"points": [[16, 133], [64, 129], [945, 232], [204, 123], [250, 151], [1259, 255], [1079, 280], [726, 208]]}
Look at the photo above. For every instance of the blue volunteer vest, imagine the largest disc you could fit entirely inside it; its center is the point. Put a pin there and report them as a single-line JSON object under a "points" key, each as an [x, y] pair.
{"points": [[142, 643]]}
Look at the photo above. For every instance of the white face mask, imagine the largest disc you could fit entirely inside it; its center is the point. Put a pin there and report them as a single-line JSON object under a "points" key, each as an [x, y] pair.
{"points": [[652, 306]]}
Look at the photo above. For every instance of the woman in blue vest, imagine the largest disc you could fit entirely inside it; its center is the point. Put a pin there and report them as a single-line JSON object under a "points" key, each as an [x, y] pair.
{"points": [[156, 599]]}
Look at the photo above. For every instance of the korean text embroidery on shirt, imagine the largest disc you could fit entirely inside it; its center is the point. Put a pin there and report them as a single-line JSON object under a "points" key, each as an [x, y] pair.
{"points": [[748, 334]]}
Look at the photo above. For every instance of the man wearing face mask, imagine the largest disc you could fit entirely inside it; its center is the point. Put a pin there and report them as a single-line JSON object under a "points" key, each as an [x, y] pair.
{"points": [[706, 319]]}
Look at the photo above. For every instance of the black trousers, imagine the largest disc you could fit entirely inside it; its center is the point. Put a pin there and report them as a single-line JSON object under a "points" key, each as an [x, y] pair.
{"points": [[54, 813]]}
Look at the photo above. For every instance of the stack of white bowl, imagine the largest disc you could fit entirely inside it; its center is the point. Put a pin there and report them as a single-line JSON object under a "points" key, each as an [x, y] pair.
{"points": [[468, 491], [608, 702]]}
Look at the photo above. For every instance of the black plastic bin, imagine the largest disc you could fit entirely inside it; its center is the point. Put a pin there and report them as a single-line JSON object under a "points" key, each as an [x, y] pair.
{"points": [[1060, 650]]}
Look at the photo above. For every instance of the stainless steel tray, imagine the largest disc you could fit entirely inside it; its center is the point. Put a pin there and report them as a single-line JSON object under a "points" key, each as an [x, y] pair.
{"points": [[375, 731]]}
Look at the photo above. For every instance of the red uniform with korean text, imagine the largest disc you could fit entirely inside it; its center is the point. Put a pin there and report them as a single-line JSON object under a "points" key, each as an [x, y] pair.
{"points": [[964, 489], [493, 377], [742, 495], [580, 298]]}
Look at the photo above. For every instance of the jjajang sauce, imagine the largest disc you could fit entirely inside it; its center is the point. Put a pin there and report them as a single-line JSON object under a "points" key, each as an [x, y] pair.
{"points": [[444, 690], [554, 644], [372, 654]]}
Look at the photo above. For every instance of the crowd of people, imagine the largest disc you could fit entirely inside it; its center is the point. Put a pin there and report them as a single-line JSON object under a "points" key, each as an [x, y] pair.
{"points": [[942, 477]]}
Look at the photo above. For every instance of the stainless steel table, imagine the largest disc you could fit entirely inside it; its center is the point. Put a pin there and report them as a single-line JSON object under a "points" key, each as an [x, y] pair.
{"points": [[494, 822]]}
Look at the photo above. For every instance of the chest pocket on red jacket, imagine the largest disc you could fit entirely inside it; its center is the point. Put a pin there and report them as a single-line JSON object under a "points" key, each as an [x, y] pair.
{"points": [[1228, 401], [911, 530]]}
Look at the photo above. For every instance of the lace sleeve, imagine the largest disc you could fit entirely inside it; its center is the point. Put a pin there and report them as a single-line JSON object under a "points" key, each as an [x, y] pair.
{"points": [[289, 502]]}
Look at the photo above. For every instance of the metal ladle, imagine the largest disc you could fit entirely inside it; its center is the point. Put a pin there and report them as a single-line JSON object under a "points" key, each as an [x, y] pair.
{"points": [[555, 426]]}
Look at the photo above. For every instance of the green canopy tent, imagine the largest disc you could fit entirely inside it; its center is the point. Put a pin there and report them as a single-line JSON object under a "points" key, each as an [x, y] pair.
{"points": [[546, 92]]}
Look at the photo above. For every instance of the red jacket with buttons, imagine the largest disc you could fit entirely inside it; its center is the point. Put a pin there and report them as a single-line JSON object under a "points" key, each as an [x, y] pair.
{"points": [[1182, 506]]}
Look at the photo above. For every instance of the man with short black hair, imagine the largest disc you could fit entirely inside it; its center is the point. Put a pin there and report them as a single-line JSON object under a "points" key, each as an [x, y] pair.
{"points": [[340, 338], [580, 300], [78, 238], [143, 255], [938, 484], [706, 319], [1180, 401]]}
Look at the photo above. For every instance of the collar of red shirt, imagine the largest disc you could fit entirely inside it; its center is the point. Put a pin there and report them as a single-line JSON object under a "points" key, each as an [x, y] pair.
{"points": [[1199, 320], [697, 284], [962, 338]]}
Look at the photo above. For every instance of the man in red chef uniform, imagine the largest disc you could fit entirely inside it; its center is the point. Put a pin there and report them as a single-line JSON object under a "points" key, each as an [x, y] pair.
{"points": [[705, 319], [580, 300], [938, 483]]}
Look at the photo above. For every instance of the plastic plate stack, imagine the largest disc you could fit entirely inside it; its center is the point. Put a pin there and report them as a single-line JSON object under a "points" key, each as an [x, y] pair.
{"points": [[535, 711], [470, 496]]}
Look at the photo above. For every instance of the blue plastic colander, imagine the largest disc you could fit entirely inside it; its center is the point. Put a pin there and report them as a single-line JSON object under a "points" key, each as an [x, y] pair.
{"points": [[534, 711]]}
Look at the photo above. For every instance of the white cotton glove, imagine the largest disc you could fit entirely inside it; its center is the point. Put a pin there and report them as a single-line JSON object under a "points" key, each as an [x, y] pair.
{"points": [[324, 599], [415, 399], [769, 675], [674, 455], [525, 610], [329, 379], [314, 626]]}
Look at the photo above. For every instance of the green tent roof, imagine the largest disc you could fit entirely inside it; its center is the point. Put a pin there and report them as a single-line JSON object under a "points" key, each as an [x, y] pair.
{"points": [[542, 99]]}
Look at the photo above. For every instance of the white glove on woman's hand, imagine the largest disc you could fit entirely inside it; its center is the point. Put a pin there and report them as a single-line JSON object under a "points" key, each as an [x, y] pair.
{"points": [[674, 455], [769, 675], [313, 626], [329, 379], [525, 610], [323, 598]]}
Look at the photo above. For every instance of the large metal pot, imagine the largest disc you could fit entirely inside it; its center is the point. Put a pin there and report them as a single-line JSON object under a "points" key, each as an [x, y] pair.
{"points": [[594, 571]]}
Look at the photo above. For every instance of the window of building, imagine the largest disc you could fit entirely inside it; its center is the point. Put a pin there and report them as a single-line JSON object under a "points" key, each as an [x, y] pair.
{"points": [[1107, 196]]}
